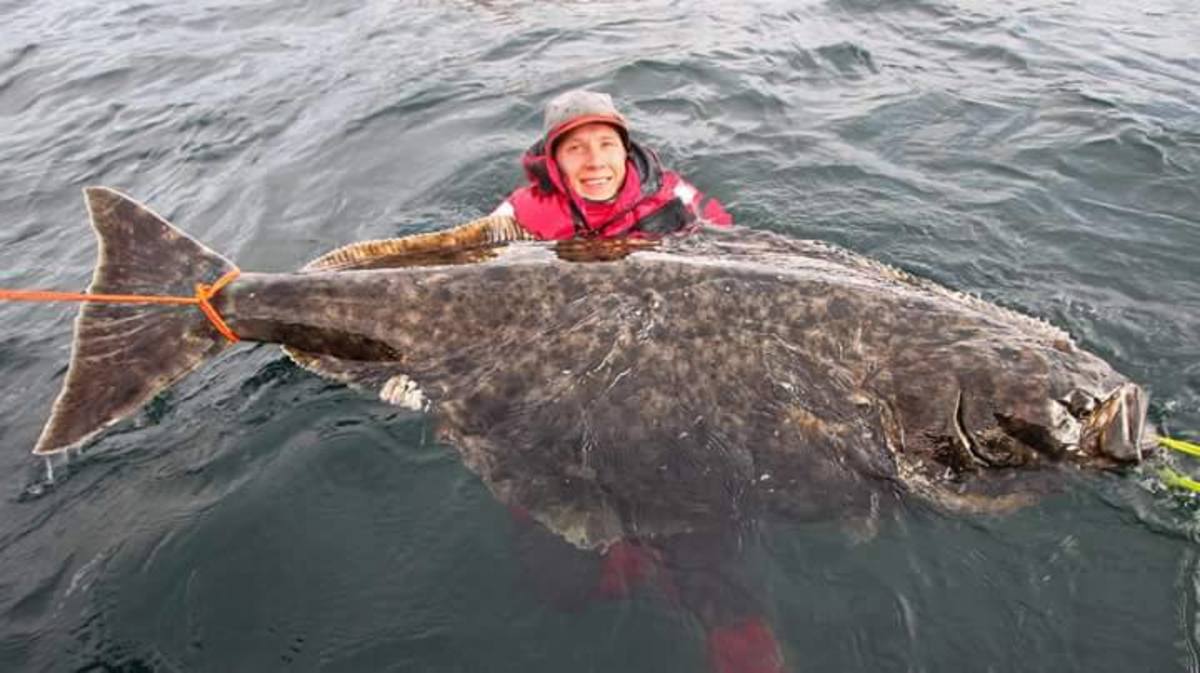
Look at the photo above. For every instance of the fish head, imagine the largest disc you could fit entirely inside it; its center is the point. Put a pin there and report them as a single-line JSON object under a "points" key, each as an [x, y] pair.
{"points": [[992, 432], [1088, 426]]}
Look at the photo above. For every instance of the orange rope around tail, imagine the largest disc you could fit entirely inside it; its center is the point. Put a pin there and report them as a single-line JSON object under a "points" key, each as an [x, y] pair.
{"points": [[204, 295]]}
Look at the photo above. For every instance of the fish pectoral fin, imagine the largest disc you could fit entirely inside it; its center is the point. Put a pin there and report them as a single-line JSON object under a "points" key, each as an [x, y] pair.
{"points": [[468, 243], [965, 441]]}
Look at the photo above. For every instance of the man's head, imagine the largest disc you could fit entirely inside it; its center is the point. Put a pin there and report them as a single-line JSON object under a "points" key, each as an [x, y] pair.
{"points": [[587, 138], [592, 160]]}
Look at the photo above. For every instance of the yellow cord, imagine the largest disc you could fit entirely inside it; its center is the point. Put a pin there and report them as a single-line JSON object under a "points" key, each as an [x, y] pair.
{"points": [[1172, 477], [1180, 446], [1176, 480]]}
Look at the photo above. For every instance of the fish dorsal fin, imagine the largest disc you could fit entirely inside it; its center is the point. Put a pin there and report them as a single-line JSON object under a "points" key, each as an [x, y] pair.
{"points": [[468, 243]]}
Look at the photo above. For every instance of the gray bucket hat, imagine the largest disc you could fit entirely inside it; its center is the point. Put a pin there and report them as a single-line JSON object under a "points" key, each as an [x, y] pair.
{"points": [[572, 109]]}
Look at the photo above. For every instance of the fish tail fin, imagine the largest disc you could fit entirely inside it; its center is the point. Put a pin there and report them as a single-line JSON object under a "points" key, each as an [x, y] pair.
{"points": [[125, 354]]}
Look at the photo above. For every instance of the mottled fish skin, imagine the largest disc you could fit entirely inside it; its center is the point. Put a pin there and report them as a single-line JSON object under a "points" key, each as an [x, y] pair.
{"points": [[618, 389], [699, 382]]}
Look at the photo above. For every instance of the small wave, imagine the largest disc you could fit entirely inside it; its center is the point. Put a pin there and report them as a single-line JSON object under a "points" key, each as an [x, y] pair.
{"points": [[36, 598], [933, 9], [848, 58], [17, 56], [411, 107]]}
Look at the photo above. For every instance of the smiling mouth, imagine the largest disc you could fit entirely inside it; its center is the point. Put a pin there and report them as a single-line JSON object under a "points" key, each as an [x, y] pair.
{"points": [[595, 183]]}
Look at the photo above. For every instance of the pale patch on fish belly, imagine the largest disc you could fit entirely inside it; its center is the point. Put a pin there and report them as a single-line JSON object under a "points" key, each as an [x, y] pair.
{"points": [[584, 529], [404, 392]]}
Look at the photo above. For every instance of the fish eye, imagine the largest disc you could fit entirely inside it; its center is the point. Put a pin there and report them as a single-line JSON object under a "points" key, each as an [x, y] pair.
{"points": [[1079, 403]]}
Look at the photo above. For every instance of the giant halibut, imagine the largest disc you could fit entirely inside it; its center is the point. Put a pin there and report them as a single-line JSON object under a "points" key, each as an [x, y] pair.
{"points": [[633, 388]]}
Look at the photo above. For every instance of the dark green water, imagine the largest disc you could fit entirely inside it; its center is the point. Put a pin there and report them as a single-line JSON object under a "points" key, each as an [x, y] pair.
{"points": [[1042, 154]]}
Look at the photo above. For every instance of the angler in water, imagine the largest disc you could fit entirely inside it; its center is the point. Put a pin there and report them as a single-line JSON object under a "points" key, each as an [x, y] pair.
{"points": [[632, 391], [587, 178]]}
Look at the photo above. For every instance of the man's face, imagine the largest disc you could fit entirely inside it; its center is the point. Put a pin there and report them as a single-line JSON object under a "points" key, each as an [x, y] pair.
{"points": [[592, 159]]}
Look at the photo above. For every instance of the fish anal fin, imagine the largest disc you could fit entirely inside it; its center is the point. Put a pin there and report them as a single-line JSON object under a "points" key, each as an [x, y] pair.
{"points": [[384, 380]]}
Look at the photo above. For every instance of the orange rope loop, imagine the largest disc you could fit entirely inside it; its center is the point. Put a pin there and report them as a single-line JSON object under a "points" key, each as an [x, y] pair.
{"points": [[203, 299]]}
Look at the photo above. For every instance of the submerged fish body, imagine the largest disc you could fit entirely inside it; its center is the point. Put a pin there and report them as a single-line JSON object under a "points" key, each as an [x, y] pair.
{"points": [[633, 389]]}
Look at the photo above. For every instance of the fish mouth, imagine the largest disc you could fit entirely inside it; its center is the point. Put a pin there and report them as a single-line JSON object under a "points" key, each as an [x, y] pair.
{"points": [[1115, 428]]}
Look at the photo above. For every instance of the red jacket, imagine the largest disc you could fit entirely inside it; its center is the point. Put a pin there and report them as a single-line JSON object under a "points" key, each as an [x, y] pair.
{"points": [[652, 202]]}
